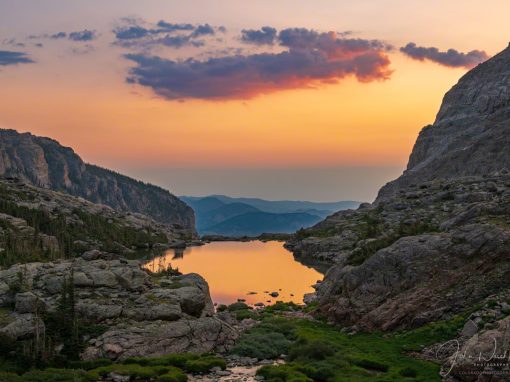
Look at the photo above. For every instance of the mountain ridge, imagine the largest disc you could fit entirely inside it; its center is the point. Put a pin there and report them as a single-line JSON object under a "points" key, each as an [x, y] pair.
{"points": [[45, 163]]}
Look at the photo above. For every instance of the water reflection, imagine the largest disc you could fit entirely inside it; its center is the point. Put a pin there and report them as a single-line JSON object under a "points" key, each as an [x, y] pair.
{"points": [[244, 270]]}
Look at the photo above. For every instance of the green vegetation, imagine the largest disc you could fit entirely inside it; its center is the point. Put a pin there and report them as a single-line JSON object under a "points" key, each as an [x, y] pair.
{"points": [[372, 232], [320, 352], [169, 368]]}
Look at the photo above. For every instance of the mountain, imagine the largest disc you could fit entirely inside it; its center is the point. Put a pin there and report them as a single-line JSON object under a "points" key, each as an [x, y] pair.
{"points": [[435, 245], [284, 206], [256, 223], [222, 214], [469, 133], [219, 214], [45, 163]]}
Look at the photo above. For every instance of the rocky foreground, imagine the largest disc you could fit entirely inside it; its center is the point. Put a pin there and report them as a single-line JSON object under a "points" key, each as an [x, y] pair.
{"points": [[141, 314], [436, 242]]}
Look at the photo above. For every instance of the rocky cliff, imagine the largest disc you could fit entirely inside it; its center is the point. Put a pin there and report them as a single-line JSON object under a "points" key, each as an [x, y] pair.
{"points": [[437, 240], [470, 133], [46, 164], [122, 309]]}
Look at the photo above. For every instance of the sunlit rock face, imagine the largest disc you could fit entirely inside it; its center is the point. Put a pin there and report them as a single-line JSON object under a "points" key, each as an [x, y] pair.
{"points": [[45, 163], [470, 135]]}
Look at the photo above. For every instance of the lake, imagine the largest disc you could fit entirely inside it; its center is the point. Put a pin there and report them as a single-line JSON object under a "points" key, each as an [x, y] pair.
{"points": [[244, 270]]}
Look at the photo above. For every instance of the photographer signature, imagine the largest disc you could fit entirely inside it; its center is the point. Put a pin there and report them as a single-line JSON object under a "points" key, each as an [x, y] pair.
{"points": [[459, 356]]}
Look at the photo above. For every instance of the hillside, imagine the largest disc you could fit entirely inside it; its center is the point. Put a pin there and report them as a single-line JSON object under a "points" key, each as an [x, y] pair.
{"points": [[38, 224], [45, 163]]}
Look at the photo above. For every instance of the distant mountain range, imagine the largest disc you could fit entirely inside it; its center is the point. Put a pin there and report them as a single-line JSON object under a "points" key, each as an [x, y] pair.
{"points": [[224, 215]]}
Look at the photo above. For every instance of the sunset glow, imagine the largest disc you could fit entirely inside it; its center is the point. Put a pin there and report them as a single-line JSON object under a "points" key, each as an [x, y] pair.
{"points": [[317, 117]]}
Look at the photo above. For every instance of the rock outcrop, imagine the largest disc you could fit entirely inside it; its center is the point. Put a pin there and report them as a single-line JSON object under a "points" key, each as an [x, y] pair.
{"points": [[436, 241], [144, 314], [44, 163]]}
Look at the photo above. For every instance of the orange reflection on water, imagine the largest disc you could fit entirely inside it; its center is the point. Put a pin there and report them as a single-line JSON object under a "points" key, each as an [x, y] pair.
{"points": [[234, 269]]}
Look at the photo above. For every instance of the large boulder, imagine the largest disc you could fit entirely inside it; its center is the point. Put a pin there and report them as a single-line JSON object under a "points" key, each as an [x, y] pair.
{"points": [[146, 314]]}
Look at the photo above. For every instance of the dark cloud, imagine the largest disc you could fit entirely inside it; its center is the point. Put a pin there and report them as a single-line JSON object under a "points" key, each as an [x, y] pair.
{"points": [[178, 41], [451, 57], [171, 27], [13, 58], [312, 58], [132, 32], [203, 30], [139, 34], [59, 35], [84, 35], [263, 36]]}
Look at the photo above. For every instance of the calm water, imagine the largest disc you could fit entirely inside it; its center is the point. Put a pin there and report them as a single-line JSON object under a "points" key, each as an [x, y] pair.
{"points": [[234, 270]]}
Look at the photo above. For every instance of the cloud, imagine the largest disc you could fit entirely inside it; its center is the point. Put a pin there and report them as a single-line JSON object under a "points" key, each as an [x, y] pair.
{"points": [[264, 36], [59, 35], [171, 27], [451, 57], [84, 35], [13, 58], [135, 33], [310, 59], [130, 33], [203, 30]]}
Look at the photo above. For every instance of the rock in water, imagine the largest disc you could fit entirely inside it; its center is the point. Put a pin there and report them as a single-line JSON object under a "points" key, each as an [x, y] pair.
{"points": [[145, 314]]}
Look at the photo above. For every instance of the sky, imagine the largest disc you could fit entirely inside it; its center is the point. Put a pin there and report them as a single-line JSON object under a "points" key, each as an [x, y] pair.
{"points": [[288, 99]]}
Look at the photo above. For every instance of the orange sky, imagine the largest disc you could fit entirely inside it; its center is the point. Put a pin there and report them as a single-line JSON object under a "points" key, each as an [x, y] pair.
{"points": [[83, 100]]}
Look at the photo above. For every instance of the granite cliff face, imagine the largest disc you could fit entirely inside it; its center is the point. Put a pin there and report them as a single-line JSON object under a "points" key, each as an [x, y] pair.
{"points": [[470, 133], [436, 242], [44, 163], [142, 314]]}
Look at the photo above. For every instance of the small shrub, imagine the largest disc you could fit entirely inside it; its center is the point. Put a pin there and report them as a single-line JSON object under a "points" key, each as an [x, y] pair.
{"points": [[408, 372], [262, 345], [177, 360], [89, 365], [371, 365], [205, 364], [314, 350], [9, 377], [56, 375], [285, 373], [221, 308], [243, 314], [236, 306], [280, 306], [173, 375], [133, 370]]}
